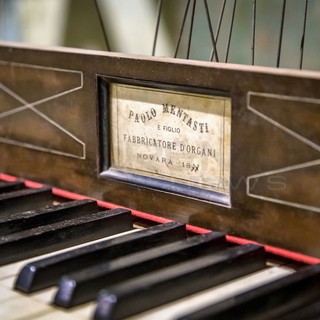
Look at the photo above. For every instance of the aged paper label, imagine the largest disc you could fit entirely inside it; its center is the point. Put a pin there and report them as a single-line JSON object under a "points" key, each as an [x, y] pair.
{"points": [[174, 136]]}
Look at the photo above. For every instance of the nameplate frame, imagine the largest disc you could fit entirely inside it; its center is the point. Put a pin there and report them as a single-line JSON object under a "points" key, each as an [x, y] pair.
{"points": [[167, 137]]}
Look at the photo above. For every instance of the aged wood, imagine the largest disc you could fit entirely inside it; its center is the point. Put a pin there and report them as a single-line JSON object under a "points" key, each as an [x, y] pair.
{"points": [[50, 111]]}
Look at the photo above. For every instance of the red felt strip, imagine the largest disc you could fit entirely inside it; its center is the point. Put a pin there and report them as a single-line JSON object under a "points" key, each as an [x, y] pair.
{"points": [[6, 177], [109, 205]]}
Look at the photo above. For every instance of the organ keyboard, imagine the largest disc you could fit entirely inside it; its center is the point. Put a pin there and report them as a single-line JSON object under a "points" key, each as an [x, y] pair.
{"points": [[171, 274], [209, 146]]}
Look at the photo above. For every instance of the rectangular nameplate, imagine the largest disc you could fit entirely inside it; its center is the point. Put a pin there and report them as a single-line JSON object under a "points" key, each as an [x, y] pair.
{"points": [[170, 135]]}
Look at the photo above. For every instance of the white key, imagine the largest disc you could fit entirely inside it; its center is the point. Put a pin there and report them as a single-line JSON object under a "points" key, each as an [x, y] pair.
{"points": [[20, 306], [84, 312], [213, 295], [37, 305], [16, 305], [193, 302], [6, 293]]}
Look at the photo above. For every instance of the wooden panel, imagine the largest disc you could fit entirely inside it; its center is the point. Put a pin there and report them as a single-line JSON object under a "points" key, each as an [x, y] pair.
{"points": [[49, 132]]}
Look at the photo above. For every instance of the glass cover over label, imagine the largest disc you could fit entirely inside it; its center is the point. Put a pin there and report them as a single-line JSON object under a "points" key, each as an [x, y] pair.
{"points": [[171, 135]]}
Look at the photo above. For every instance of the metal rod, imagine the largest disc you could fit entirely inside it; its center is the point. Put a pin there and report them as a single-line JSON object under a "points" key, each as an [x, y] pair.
{"points": [[218, 27], [303, 32], [211, 31], [182, 28], [231, 27], [191, 28], [254, 14], [102, 25], [157, 28], [281, 32]]}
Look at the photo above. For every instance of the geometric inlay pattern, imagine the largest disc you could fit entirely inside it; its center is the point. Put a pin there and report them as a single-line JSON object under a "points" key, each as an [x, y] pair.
{"points": [[297, 184], [24, 90]]}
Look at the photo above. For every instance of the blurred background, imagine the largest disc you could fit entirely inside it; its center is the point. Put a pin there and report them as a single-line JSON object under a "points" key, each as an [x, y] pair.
{"points": [[131, 26]]}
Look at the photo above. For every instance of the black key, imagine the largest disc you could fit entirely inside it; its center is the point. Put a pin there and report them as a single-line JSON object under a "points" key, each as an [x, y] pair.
{"points": [[11, 186], [26, 199], [270, 301], [46, 272], [156, 288], [84, 285], [33, 218], [44, 239]]}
